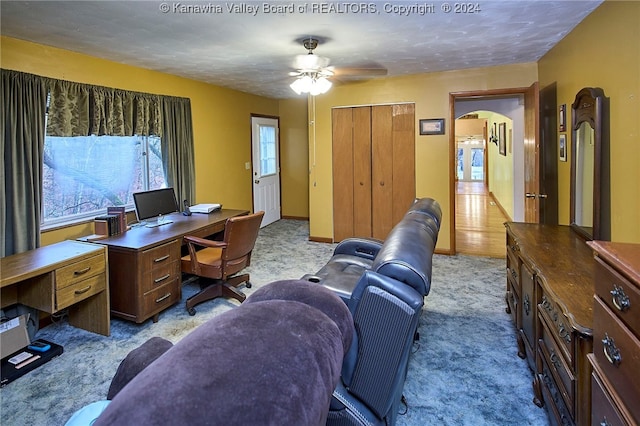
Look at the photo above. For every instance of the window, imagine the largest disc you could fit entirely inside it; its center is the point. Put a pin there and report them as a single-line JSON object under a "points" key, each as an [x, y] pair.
{"points": [[267, 150], [83, 175]]}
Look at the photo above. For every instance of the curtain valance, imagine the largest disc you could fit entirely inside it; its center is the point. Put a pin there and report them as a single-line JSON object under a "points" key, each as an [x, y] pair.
{"points": [[81, 109]]}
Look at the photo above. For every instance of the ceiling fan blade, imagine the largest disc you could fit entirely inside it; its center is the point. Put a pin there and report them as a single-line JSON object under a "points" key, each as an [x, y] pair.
{"points": [[364, 71], [310, 62]]}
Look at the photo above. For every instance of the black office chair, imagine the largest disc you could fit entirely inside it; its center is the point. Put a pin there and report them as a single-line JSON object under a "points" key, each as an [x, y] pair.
{"points": [[220, 261]]}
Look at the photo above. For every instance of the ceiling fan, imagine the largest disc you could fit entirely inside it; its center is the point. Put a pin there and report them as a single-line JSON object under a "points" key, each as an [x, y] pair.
{"points": [[314, 73]]}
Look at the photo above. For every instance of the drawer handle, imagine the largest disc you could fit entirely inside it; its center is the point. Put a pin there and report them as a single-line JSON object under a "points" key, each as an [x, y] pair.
{"points": [[526, 303], [83, 290], [555, 360], [620, 299], [166, 296], [157, 280], [82, 271], [611, 352], [514, 274], [160, 259]]}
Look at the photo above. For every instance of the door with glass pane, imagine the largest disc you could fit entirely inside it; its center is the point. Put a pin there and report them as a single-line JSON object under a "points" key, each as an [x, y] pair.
{"points": [[266, 167], [470, 161]]}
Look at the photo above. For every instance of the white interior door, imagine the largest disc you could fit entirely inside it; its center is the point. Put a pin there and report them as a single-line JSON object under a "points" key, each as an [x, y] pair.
{"points": [[266, 167]]}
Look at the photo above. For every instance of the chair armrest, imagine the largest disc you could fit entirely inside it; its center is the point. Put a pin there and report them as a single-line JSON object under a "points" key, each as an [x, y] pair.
{"points": [[367, 248], [203, 242]]}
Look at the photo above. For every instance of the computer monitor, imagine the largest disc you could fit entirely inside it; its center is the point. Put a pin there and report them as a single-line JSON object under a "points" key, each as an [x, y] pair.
{"points": [[154, 204]]}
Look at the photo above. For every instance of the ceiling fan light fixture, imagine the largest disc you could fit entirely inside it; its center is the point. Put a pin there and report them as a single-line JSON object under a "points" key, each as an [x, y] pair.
{"points": [[312, 83]]}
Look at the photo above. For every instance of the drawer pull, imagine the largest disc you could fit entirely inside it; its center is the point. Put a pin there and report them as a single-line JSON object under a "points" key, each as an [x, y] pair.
{"points": [[526, 303], [82, 271], [166, 296], [83, 290], [611, 351], [555, 360], [514, 274], [157, 280], [160, 259], [620, 299]]}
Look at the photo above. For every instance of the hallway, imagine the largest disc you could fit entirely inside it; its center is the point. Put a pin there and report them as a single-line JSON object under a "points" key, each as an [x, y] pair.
{"points": [[479, 222]]}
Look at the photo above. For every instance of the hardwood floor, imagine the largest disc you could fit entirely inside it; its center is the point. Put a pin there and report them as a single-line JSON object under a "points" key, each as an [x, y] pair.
{"points": [[479, 222]]}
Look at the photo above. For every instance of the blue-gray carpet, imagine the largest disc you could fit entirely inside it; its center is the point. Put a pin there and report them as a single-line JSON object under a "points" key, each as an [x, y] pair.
{"points": [[464, 371]]}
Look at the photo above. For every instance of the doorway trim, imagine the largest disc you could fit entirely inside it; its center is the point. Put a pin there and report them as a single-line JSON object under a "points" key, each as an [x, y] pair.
{"points": [[479, 95]]}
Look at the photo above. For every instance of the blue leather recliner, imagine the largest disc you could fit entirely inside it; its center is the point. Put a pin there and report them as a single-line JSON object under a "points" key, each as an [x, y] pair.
{"points": [[384, 285]]}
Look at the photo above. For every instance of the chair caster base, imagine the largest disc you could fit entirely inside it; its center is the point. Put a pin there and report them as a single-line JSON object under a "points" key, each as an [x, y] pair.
{"points": [[248, 285], [191, 311]]}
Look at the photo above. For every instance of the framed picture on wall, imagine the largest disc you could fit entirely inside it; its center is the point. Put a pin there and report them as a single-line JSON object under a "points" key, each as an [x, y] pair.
{"points": [[562, 118], [502, 138], [432, 126], [562, 145]]}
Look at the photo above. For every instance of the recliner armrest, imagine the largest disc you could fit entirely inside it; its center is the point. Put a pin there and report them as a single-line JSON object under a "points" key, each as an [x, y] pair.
{"points": [[367, 248]]}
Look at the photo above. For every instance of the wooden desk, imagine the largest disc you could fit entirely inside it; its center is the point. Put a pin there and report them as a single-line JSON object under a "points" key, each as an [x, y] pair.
{"points": [[69, 274], [144, 263]]}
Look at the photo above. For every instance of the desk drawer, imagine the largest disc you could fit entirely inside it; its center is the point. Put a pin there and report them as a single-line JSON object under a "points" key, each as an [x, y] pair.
{"points": [[76, 272], [81, 290], [160, 256], [617, 352], [160, 276], [161, 298]]}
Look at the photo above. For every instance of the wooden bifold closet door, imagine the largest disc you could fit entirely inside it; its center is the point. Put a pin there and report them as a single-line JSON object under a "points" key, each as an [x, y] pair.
{"points": [[373, 168]]}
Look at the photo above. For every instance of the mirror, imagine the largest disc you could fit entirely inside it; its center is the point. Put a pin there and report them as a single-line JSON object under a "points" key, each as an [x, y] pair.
{"points": [[590, 199]]}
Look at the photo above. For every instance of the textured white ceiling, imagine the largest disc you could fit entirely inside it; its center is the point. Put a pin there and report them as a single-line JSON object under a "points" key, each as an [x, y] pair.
{"points": [[250, 45]]}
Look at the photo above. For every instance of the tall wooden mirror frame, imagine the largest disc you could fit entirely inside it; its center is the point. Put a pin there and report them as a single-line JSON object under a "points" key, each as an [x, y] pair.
{"points": [[591, 107]]}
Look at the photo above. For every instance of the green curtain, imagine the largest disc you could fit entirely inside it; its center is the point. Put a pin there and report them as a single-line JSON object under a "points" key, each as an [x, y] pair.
{"points": [[81, 109], [24, 102], [77, 109], [177, 147]]}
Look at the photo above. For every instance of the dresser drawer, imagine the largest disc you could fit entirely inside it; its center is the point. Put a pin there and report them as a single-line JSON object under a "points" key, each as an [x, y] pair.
{"points": [[161, 298], [603, 409], [512, 246], [159, 276], [159, 256], [620, 295], [617, 352], [559, 327], [78, 291], [513, 304], [71, 274], [513, 271], [559, 413], [558, 366]]}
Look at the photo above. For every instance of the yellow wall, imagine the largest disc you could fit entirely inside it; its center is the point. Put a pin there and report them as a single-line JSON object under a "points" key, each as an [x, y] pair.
{"points": [[430, 93], [293, 158], [501, 179], [221, 120], [604, 51]]}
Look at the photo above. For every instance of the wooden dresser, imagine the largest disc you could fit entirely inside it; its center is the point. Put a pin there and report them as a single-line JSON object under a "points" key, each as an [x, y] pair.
{"points": [[616, 333], [550, 287]]}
